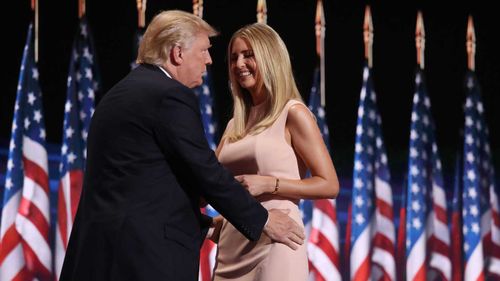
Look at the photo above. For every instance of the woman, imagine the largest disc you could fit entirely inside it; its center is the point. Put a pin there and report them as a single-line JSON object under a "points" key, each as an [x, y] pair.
{"points": [[269, 144]]}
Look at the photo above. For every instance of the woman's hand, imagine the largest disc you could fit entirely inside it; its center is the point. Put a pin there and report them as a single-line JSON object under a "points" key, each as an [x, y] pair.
{"points": [[256, 184]]}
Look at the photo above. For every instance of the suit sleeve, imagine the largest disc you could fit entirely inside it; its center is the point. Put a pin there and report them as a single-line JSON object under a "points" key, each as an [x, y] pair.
{"points": [[180, 134]]}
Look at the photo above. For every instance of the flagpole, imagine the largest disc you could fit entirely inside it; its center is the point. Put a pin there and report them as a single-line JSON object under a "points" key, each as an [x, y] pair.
{"points": [[141, 13], [471, 44], [262, 11], [368, 36], [198, 8], [34, 7], [320, 46], [420, 39]]}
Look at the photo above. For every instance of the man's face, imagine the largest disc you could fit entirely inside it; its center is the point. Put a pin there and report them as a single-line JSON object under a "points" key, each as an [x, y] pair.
{"points": [[195, 59]]}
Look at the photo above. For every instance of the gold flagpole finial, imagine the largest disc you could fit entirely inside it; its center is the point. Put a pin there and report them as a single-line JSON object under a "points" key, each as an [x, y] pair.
{"points": [[262, 11], [141, 13], [368, 36], [319, 29], [81, 8], [198, 8], [420, 40], [471, 44]]}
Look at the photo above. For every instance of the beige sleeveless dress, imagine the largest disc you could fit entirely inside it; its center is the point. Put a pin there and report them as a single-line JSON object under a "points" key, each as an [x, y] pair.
{"points": [[266, 154]]}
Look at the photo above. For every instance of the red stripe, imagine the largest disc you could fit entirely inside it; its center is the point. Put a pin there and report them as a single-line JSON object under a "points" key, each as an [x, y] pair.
{"points": [[384, 208], [62, 216], [401, 251], [456, 246], [363, 272], [381, 241], [205, 268], [23, 275], [439, 246], [326, 247], [76, 179], [34, 265], [32, 213], [496, 218], [10, 240], [420, 276], [440, 214], [490, 248], [347, 245], [317, 275], [326, 207], [36, 174]]}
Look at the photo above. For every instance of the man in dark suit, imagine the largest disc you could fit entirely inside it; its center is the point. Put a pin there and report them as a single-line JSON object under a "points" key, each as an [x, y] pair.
{"points": [[149, 165]]}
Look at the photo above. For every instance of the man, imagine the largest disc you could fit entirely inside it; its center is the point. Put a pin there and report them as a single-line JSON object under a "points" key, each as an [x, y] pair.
{"points": [[149, 164]]}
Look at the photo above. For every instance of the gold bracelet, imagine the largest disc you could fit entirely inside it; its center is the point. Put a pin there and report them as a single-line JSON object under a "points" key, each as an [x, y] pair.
{"points": [[276, 187]]}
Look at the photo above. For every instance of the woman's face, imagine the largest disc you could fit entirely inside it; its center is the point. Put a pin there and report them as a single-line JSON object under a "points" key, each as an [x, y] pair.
{"points": [[243, 65]]}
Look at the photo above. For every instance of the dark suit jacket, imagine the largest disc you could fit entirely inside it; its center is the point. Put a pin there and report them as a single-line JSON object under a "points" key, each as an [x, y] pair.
{"points": [[148, 165]]}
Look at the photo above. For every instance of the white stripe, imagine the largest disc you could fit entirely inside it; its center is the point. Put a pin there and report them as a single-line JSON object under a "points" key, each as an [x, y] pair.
{"points": [[60, 251], [36, 153], [495, 233], [494, 199], [66, 188], [416, 258], [359, 251], [494, 266], [12, 264], [29, 232], [383, 190], [441, 230], [37, 195], [324, 224], [9, 212], [212, 258], [442, 264], [385, 226], [495, 228], [486, 222], [438, 196], [376, 273], [474, 266], [386, 261], [322, 263]]}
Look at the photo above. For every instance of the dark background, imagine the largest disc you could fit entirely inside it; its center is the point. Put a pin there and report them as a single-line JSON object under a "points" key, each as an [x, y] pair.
{"points": [[114, 22]]}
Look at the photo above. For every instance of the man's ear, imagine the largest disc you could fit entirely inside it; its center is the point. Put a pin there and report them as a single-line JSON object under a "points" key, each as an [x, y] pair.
{"points": [[176, 55]]}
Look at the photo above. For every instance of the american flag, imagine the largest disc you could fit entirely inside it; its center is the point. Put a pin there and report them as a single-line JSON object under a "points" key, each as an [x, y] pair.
{"points": [[208, 249], [205, 96], [372, 253], [81, 88], [481, 219], [25, 252], [456, 223], [323, 240], [208, 252], [427, 233]]}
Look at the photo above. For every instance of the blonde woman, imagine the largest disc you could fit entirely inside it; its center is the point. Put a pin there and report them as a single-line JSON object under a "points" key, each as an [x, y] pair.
{"points": [[269, 144]]}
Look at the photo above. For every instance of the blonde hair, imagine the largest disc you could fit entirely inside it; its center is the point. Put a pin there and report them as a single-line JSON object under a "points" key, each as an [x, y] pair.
{"points": [[274, 77], [167, 29]]}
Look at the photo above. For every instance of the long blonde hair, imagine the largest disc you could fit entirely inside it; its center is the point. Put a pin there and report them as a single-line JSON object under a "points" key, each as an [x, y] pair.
{"points": [[167, 29], [274, 77]]}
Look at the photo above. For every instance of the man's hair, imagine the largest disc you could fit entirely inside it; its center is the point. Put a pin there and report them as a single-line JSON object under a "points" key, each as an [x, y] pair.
{"points": [[273, 75], [168, 29]]}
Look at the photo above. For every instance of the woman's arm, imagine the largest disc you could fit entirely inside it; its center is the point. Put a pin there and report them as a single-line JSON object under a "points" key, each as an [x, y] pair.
{"points": [[308, 144]]}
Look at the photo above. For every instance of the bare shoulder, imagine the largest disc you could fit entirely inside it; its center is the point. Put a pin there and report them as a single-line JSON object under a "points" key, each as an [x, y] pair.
{"points": [[300, 115]]}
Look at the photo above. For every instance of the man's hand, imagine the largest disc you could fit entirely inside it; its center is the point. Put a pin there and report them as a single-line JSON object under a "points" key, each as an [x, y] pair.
{"points": [[281, 228]]}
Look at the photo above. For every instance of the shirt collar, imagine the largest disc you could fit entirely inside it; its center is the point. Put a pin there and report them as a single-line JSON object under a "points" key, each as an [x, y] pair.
{"points": [[166, 73]]}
